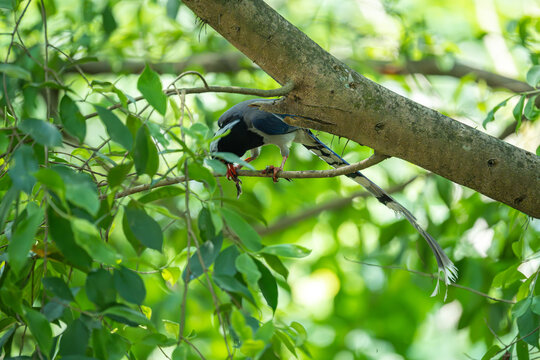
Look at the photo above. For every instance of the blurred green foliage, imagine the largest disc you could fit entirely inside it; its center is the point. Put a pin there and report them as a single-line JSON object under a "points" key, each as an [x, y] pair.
{"points": [[95, 267]]}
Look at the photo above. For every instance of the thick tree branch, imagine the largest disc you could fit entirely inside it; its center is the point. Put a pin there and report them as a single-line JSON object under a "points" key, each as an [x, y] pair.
{"points": [[334, 98]]}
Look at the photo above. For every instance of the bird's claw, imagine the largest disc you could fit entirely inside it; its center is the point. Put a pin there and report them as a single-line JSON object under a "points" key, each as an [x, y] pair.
{"points": [[270, 169], [233, 175]]}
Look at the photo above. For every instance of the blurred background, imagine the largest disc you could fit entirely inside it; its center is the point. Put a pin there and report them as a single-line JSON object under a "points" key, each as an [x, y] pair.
{"points": [[363, 292]]}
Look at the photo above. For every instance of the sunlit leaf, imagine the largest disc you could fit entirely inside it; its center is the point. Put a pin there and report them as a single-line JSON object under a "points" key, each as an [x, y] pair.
{"points": [[149, 85], [533, 75], [518, 111], [245, 232], [287, 250], [39, 327]]}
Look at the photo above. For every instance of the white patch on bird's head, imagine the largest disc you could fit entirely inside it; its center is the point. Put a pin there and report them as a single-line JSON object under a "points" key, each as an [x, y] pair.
{"points": [[220, 132]]}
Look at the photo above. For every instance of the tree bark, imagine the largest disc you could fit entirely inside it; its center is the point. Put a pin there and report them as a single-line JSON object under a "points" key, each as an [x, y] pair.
{"points": [[333, 98]]}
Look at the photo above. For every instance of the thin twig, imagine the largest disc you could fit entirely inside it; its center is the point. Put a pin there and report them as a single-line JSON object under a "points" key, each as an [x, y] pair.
{"points": [[393, 267], [284, 90], [258, 173]]}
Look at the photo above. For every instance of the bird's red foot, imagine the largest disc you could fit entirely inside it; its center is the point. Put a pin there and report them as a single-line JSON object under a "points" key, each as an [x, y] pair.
{"points": [[270, 169]]}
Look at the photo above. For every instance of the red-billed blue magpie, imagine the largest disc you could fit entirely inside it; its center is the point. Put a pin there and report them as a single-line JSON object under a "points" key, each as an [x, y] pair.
{"points": [[245, 127]]}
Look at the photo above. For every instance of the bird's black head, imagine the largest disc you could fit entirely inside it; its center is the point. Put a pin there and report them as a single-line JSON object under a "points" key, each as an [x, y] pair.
{"points": [[239, 139]]}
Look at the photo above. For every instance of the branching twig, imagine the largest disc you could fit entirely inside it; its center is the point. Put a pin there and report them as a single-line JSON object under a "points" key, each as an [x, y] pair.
{"points": [[284, 90]]}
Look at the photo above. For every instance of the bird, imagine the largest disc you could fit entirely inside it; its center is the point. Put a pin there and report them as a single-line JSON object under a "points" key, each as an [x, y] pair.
{"points": [[245, 127]]}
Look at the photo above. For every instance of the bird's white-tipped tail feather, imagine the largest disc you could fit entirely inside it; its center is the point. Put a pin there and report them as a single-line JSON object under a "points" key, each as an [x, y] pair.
{"points": [[312, 143]]}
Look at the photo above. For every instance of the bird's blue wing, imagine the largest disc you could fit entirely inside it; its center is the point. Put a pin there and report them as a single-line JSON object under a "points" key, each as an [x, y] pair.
{"points": [[269, 123]]}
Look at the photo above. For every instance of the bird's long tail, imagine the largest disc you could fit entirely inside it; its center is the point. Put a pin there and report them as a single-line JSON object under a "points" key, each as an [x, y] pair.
{"points": [[313, 144]]}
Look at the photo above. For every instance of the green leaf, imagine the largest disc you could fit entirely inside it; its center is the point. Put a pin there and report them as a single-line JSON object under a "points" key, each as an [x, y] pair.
{"points": [[287, 250], [165, 192], [531, 111], [209, 251], [80, 189], [100, 288], [115, 128], [275, 263], [198, 172], [522, 350], [145, 154], [58, 288], [127, 316], [24, 165], [5, 204], [7, 336], [108, 345], [87, 237], [62, 234], [491, 115], [52, 180], [225, 263], [535, 306], [74, 339], [245, 232], [15, 71], [217, 166], [73, 120], [492, 351], [527, 323], [109, 87], [41, 329], [172, 8], [533, 76], [268, 286], [109, 23], [246, 265], [252, 347], [43, 132], [23, 238], [301, 333], [150, 87], [207, 229], [144, 228], [53, 310], [233, 159], [265, 332], [521, 307], [518, 111], [129, 285], [231, 284], [118, 174]]}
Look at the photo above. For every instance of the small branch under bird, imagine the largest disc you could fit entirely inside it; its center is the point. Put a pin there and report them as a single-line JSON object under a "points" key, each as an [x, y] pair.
{"points": [[245, 127]]}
